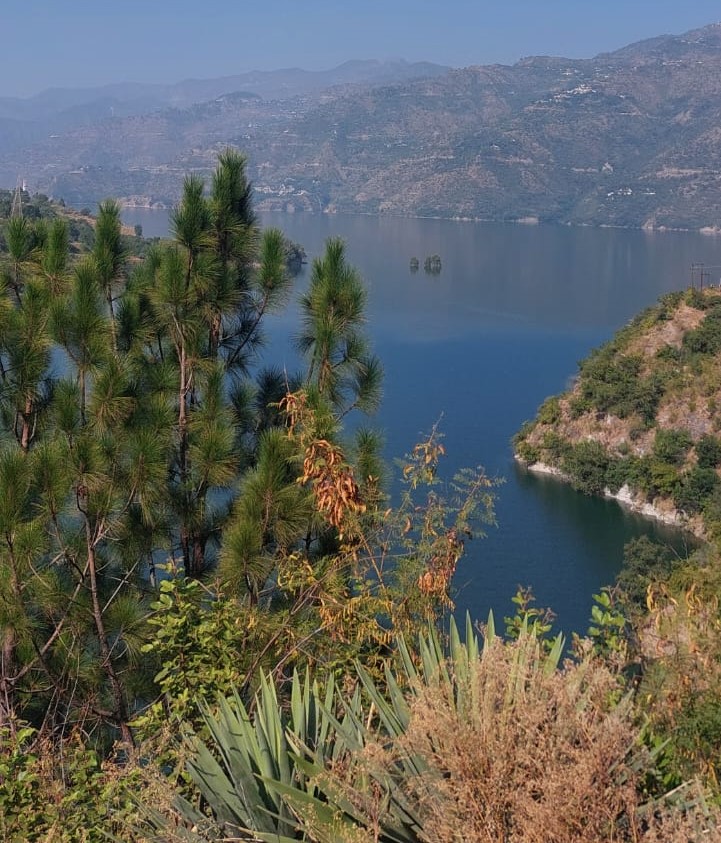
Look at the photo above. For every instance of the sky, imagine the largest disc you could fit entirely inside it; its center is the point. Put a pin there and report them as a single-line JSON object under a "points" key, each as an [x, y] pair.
{"points": [[86, 43]]}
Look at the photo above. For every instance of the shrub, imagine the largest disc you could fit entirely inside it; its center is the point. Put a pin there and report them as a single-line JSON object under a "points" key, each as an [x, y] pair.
{"points": [[706, 338], [638, 473], [554, 447], [695, 298], [669, 302], [695, 487], [712, 514], [665, 478], [550, 411], [524, 432], [619, 472], [708, 451], [613, 384], [578, 405], [644, 562], [669, 354], [671, 446], [494, 744], [587, 464], [528, 453]]}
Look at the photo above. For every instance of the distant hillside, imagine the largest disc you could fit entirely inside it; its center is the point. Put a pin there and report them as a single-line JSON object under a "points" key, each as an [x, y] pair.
{"points": [[138, 97], [643, 420], [39, 211], [630, 138], [56, 113]]}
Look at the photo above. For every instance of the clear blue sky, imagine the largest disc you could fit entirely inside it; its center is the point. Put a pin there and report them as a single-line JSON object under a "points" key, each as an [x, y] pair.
{"points": [[49, 43]]}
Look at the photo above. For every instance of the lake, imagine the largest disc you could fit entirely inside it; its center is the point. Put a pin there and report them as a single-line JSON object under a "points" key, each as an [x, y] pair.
{"points": [[479, 346]]}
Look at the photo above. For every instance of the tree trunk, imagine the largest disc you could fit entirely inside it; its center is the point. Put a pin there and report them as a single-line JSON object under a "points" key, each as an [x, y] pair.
{"points": [[83, 398], [26, 430], [113, 330], [120, 713], [7, 686]]}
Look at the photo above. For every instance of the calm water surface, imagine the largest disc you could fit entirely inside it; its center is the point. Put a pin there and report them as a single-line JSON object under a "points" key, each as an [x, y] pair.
{"points": [[481, 345]]}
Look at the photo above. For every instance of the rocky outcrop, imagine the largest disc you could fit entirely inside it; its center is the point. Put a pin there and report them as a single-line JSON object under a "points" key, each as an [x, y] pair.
{"points": [[642, 422]]}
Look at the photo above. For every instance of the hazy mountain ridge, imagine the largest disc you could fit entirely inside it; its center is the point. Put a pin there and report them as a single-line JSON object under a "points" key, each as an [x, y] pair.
{"points": [[626, 138]]}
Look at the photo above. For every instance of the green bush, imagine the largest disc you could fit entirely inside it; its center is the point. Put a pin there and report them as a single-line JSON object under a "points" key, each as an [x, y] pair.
{"points": [[587, 464], [697, 735], [708, 451], [613, 384], [524, 432], [555, 447], [695, 487], [669, 302], [550, 411], [695, 298], [669, 354], [706, 339], [644, 562], [578, 405], [671, 446], [619, 472], [528, 453], [665, 478], [638, 473]]}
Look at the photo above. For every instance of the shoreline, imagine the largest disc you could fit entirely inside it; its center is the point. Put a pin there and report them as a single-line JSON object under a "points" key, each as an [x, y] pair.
{"points": [[707, 230], [625, 497]]}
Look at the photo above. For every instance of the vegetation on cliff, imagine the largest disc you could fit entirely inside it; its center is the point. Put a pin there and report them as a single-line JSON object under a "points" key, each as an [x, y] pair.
{"points": [[644, 413], [643, 421]]}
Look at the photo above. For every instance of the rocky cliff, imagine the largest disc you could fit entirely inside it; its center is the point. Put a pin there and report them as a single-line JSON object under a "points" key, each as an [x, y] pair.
{"points": [[642, 421]]}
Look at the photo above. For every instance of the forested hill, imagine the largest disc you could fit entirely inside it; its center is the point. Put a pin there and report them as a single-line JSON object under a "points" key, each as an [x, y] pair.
{"points": [[627, 138], [643, 419]]}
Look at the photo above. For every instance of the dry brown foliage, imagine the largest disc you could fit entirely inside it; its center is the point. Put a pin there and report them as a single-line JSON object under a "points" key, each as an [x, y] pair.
{"points": [[525, 755], [335, 490]]}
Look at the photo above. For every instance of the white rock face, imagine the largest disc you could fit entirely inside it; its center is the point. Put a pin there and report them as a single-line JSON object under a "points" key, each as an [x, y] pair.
{"points": [[625, 497]]}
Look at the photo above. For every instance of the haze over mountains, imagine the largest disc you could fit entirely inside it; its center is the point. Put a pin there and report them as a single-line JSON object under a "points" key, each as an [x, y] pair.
{"points": [[627, 138]]}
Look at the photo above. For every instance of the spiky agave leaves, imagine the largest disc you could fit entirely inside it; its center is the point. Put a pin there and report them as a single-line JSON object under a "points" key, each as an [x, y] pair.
{"points": [[271, 776]]}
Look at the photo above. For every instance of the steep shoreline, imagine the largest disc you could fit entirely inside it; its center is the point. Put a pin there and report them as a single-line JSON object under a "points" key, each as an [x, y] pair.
{"points": [[642, 422], [625, 496]]}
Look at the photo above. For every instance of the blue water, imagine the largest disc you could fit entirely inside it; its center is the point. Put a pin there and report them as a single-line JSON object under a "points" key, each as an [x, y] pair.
{"points": [[479, 347]]}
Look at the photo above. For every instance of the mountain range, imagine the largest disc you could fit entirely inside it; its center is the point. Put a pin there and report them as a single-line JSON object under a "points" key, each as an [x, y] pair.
{"points": [[628, 138]]}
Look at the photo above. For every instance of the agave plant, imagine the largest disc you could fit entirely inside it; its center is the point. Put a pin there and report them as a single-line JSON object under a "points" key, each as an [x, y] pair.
{"points": [[485, 743], [275, 776]]}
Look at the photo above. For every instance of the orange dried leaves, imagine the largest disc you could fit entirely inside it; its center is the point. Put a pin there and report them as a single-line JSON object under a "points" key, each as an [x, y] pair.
{"points": [[436, 579], [336, 493], [334, 487]]}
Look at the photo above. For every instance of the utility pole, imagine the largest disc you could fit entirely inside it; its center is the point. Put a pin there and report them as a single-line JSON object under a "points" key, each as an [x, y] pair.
{"points": [[703, 273], [17, 208]]}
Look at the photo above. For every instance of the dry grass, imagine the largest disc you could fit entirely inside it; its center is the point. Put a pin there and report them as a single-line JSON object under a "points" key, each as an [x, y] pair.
{"points": [[540, 757]]}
